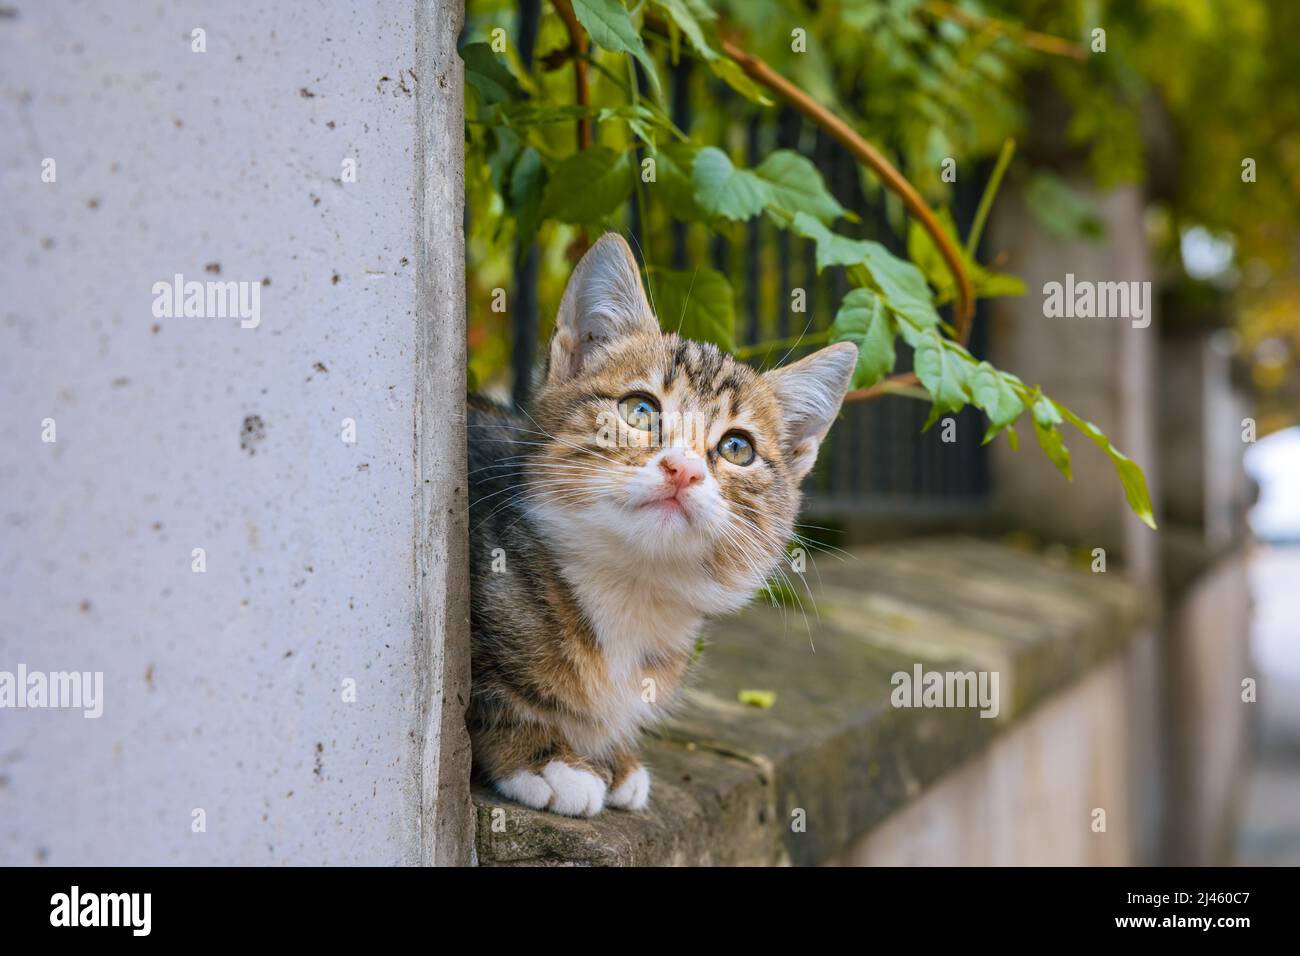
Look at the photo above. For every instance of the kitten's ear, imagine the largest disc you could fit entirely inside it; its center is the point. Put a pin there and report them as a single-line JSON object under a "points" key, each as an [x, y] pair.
{"points": [[810, 392], [604, 300]]}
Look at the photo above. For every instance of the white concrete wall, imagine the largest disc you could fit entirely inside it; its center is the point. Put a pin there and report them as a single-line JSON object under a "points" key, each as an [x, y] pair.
{"points": [[1031, 799], [222, 690], [1209, 642]]}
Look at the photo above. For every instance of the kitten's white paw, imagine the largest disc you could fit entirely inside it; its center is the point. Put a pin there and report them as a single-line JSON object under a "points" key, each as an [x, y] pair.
{"points": [[633, 793], [577, 793], [527, 788]]}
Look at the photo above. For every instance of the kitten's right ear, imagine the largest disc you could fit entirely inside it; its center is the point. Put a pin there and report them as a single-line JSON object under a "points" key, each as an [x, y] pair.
{"points": [[810, 392], [604, 300]]}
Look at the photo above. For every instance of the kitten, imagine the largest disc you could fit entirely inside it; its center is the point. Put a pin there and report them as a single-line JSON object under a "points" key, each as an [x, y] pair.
{"points": [[654, 482]]}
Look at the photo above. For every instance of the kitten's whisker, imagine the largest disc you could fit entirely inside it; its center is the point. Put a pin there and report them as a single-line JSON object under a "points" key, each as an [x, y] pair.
{"points": [[754, 570], [568, 498], [796, 343], [562, 441], [764, 580], [568, 444], [546, 468], [539, 431], [573, 496], [806, 542], [770, 539], [526, 487]]}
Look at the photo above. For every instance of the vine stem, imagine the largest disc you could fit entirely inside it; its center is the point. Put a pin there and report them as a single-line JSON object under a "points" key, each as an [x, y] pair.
{"points": [[581, 86], [759, 71], [1042, 42], [986, 200]]}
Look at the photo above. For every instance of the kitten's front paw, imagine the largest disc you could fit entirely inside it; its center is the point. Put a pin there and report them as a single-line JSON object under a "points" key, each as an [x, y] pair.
{"points": [[577, 793], [633, 793], [527, 788]]}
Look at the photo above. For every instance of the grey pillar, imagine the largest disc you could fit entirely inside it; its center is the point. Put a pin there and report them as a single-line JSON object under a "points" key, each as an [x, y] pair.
{"points": [[251, 524]]}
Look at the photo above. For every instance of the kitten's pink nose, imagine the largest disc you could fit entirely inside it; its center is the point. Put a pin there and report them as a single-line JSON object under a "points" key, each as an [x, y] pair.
{"points": [[682, 469]]}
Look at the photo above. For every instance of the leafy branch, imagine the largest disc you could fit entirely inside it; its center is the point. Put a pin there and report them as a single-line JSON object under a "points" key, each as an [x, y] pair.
{"points": [[891, 299]]}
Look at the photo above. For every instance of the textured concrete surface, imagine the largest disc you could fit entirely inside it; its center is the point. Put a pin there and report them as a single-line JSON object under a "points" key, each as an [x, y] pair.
{"points": [[442, 498], [225, 690], [833, 758]]}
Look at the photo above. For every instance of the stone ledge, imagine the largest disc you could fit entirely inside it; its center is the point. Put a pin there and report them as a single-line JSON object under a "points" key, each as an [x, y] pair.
{"points": [[729, 778]]}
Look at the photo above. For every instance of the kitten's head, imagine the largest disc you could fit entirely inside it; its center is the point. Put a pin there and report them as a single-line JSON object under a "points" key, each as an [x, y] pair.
{"points": [[665, 454]]}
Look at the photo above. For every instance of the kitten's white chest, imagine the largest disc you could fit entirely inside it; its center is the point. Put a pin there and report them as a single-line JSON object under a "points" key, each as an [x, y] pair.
{"points": [[638, 628]]}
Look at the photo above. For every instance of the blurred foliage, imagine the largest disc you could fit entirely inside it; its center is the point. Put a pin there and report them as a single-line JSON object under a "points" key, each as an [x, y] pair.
{"points": [[1221, 75], [1206, 82]]}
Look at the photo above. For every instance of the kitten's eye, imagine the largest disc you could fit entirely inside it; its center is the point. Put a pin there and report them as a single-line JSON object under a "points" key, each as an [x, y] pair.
{"points": [[639, 411], [736, 448]]}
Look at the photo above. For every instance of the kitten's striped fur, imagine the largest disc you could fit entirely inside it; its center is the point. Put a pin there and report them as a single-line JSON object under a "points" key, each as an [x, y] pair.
{"points": [[598, 550]]}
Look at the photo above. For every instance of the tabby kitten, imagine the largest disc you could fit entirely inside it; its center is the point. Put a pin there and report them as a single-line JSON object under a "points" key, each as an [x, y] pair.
{"points": [[654, 482]]}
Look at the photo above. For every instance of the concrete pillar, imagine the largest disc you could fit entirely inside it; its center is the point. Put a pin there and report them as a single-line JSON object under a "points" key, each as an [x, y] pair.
{"points": [[252, 525], [1102, 368]]}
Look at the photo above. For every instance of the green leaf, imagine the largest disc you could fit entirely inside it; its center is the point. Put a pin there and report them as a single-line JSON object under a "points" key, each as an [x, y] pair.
{"points": [[1052, 444], [991, 392], [765, 699], [696, 303], [995, 285], [864, 321], [673, 165], [902, 285], [503, 150], [921, 249], [610, 26], [487, 72], [1135, 486], [641, 120], [729, 72], [589, 185], [942, 372], [694, 19], [832, 249], [1046, 422], [527, 185], [1131, 477], [723, 191], [797, 186], [1045, 410]]}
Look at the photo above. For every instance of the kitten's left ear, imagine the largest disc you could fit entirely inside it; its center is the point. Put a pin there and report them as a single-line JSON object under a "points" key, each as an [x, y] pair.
{"points": [[810, 392], [603, 301]]}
